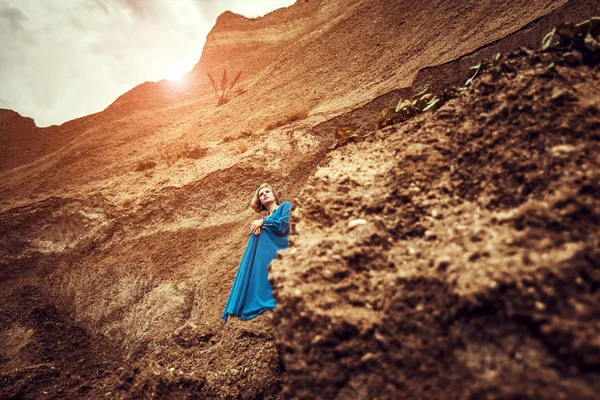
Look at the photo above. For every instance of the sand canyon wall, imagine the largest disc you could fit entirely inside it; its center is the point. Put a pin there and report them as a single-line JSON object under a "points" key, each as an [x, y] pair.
{"points": [[120, 232]]}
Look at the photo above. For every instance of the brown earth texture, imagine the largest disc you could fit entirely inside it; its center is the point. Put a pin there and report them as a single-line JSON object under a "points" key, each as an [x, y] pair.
{"points": [[451, 253]]}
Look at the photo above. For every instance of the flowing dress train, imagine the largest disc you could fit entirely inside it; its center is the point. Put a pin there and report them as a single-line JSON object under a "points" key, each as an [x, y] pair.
{"points": [[252, 293]]}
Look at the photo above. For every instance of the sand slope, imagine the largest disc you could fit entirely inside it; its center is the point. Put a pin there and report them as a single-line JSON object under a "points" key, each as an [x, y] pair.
{"points": [[117, 255]]}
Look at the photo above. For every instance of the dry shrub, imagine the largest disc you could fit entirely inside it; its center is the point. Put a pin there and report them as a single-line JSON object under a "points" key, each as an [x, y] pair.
{"points": [[247, 134], [294, 115], [241, 147], [230, 138], [272, 125], [145, 165], [193, 151], [170, 154], [297, 114]]}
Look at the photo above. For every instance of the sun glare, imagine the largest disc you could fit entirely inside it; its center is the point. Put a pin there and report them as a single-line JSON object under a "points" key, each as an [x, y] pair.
{"points": [[175, 75]]}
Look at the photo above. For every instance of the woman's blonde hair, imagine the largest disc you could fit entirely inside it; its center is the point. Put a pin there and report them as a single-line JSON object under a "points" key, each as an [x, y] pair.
{"points": [[256, 204]]}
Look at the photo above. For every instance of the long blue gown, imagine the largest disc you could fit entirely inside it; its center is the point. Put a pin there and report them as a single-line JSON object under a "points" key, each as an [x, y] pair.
{"points": [[252, 293]]}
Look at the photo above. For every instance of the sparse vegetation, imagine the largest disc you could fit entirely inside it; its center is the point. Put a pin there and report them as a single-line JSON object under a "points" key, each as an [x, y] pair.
{"points": [[407, 108], [574, 44], [247, 134], [230, 138], [425, 101], [294, 115], [222, 91], [493, 64], [170, 155], [344, 136], [581, 42], [241, 147], [145, 165]]}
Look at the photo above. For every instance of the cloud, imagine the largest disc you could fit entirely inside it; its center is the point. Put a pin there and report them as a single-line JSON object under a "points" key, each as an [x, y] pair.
{"points": [[13, 15], [65, 59], [139, 9], [250, 9], [99, 4]]}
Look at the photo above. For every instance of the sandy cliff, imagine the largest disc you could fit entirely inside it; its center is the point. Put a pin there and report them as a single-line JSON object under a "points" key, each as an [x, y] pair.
{"points": [[120, 232]]}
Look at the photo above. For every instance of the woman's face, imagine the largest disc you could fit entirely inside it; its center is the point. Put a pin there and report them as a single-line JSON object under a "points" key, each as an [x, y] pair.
{"points": [[266, 196]]}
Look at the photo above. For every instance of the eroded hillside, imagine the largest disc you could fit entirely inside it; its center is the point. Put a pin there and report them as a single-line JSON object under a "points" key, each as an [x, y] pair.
{"points": [[454, 256], [121, 232]]}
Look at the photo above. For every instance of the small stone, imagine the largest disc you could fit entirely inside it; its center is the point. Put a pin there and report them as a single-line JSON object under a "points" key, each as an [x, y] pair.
{"points": [[145, 165], [367, 357], [573, 57], [356, 222], [412, 251], [540, 306], [436, 214], [563, 149], [380, 338], [560, 95], [419, 307], [477, 234], [308, 189], [459, 227], [380, 224], [172, 369], [429, 235], [580, 309], [443, 262]]}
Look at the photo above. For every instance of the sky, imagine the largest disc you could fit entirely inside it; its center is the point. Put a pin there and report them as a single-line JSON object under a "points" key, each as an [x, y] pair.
{"points": [[63, 59]]}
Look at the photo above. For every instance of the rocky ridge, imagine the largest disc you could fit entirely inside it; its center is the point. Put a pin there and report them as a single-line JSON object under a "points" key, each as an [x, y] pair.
{"points": [[454, 256]]}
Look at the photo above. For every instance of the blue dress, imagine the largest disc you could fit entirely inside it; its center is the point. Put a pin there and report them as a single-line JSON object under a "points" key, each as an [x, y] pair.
{"points": [[252, 293]]}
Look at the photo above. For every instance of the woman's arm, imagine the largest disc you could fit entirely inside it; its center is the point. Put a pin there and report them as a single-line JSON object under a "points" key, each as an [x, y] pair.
{"points": [[255, 226], [280, 222]]}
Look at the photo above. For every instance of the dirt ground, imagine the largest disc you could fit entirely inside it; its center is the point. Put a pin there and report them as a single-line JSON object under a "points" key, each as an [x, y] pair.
{"points": [[454, 255]]}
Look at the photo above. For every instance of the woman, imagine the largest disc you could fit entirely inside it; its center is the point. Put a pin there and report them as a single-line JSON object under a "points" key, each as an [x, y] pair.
{"points": [[252, 293]]}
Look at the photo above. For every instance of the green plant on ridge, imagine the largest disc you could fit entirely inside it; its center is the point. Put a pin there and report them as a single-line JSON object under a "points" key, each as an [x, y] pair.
{"points": [[421, 102], [580, 42], [577, 43], [493, 64]]}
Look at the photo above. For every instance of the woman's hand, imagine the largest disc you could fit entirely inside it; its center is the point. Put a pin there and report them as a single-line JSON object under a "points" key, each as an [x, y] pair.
{"points": [[255, 226]]}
